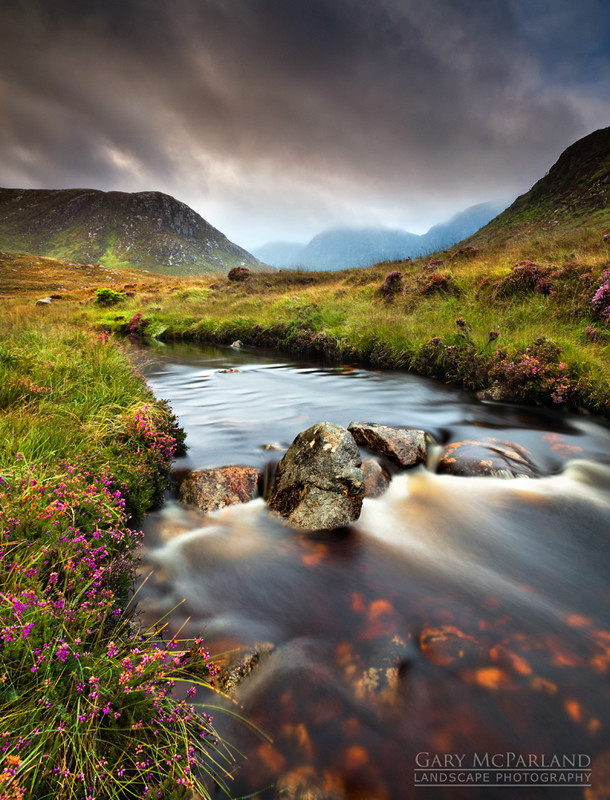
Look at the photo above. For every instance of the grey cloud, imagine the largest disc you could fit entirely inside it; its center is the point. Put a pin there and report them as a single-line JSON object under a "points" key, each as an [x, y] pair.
{"points": [[352, 99]]}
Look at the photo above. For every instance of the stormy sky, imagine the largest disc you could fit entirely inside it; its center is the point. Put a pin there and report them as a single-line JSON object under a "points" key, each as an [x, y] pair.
{"points": [[275, 119]]}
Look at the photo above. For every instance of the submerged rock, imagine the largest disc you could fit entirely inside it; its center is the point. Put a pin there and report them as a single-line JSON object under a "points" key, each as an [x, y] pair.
{"points": [[210, 489], [319, 483], [404, 446], [487, 457], [376, 478], [302, 783], [232, 676]]}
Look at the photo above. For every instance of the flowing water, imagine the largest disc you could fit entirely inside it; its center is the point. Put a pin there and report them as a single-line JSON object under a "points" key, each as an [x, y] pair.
{"points": [[454, 642]]}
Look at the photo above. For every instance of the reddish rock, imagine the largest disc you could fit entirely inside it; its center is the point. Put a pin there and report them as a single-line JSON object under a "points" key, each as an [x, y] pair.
{"points": [[449, 646], [376, 478], [210, 489], [404, 446], [486, 457]]}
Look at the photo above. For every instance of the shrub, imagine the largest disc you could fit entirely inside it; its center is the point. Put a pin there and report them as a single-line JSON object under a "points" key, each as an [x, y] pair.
{"points": [[601, 298], [107, 297], [525, 276], [435, 282], [138, 324], [238, 274], [536, 375], [391, 285]]}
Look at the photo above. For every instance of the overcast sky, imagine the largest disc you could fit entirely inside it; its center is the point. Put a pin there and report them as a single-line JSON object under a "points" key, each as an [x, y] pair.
{"points": [[276, 119]]}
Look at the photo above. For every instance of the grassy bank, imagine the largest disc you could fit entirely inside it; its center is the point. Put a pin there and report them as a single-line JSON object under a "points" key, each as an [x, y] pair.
{"points": [[527, 322], [85, 694]]}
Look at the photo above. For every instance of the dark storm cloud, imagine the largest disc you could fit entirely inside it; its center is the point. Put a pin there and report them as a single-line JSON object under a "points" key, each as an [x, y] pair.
{"points": [[328, 104]]}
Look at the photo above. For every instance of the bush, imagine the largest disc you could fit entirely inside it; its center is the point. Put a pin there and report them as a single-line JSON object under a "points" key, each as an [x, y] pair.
{"points": [[525, 277], [238, 274], [107, 297], [435, 282], [601, 298]]}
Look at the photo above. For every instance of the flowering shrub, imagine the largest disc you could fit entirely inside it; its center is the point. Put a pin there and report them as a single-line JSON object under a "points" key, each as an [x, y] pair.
{"points": [[464, 252], [392, 284], [536, 375], [87, 696], [238, 274], [601, 298], [138, 324], [436, 282], [524, 277]]}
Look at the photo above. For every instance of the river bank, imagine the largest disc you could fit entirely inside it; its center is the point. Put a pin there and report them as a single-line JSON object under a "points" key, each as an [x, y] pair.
{"points": [[526, 324], [85, 690]]}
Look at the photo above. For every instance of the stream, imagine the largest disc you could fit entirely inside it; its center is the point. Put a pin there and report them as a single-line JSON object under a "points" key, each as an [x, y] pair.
{"points": [[454, 642]]}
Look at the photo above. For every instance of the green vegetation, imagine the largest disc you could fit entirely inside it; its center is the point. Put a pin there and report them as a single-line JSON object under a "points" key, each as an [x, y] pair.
{"points": [[107, 297], [85, 693], [533, 331], [119, 230]]}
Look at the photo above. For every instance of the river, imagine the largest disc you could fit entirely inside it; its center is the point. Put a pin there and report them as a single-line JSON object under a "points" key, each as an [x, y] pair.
{"points": [[454, 642]]}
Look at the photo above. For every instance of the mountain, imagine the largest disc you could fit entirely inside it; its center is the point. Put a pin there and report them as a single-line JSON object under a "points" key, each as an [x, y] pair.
{"points": [[574, 193], [143, 230], [339, 248], [279, 254]]}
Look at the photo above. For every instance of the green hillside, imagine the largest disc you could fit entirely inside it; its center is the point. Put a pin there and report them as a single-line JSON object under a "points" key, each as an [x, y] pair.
{"points": [[574, 194], [143, 230]]}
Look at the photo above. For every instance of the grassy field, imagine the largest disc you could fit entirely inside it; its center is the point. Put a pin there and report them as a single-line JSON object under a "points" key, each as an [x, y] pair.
{"points": [[87, 709], [521, 322]]}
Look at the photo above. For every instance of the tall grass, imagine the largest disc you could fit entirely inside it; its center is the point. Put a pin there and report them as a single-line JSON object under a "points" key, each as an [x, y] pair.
{"points": [[86, 695], [520, 293]]}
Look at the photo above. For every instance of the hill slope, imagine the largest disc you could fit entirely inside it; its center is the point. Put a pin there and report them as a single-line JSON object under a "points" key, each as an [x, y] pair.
{"points": [[574, 193], [341, 248], [147, 230]]}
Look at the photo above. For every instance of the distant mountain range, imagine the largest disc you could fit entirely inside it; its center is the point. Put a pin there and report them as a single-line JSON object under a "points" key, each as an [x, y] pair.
{"points": [[142, 230], [574, 193], [340, 248]]}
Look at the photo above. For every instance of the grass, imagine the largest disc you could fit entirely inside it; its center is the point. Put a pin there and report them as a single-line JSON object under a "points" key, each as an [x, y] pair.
{"points": [[509, 297], [86, 695]]}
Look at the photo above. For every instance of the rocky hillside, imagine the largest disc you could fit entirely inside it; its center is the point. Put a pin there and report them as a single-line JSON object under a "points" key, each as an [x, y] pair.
{"points": [[340, 248], [574, 193], [143, 230]]}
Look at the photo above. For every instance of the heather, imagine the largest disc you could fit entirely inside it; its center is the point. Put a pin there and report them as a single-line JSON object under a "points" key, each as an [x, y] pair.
{"points": [[535, 313], [93, 705]]}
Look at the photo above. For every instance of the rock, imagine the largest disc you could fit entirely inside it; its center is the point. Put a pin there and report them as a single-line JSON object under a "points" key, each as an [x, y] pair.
{"points": [[487, 457], [216, 488], [230, 677], [237, 344], [44, 301], [404, 446], [448, 646], [497, 393], [379, 675], [129, 294], [319, 482], [376, 478], [302, 783]]}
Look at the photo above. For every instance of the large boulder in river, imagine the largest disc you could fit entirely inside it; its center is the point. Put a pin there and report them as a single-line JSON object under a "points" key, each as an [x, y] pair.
{"points": [[404, 446], [210, 489], [486, 457], [319, 482]]}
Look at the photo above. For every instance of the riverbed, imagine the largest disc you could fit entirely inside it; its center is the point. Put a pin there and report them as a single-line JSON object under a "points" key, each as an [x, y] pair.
{"points": [[453, 642]]}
